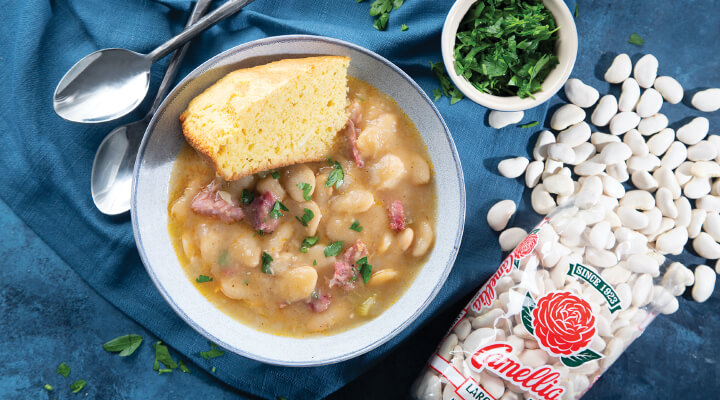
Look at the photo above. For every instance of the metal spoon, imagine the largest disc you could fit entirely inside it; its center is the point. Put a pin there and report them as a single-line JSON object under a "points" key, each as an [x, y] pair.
{"points": [[111, 177], [110, 83]]}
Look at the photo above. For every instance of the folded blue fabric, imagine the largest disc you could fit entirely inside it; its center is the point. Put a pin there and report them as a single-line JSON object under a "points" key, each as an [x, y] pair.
{"points": [[46, 161]]}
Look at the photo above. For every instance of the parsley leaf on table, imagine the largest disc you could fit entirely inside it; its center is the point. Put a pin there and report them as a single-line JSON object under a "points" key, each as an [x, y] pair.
{"points": [[636, 39], [162, 355], [125, 345], [212, 353], [63, 369], [446, 84], [78, 385]]}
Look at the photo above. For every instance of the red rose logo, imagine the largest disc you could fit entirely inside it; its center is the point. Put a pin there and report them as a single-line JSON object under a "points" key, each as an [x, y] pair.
{"points": [[564, 323], [526, 246]]}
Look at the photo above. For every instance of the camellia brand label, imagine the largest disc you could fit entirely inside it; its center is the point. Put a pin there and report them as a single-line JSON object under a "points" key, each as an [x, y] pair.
{"points": [[486, 296], [594, 280]]}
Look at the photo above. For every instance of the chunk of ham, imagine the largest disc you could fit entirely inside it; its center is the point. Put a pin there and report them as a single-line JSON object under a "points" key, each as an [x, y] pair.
{"points": [[321, 303], [208, 202], [352, 131], [260, 209], [346, 273], [396, 213]]}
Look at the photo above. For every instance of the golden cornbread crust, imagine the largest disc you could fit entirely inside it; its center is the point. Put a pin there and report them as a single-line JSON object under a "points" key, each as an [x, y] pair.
{"points": [[270, 116]]}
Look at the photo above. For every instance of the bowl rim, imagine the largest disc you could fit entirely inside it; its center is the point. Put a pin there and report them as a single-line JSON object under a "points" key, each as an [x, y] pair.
{"points": [[208, 65], [507, 103]]}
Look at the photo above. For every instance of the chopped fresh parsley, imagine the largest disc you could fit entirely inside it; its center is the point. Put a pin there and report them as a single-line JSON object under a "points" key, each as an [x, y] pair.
{"points": [[162, 355], [446, 84], [247, 196], [183, 367], [266, 260], [277, 209], [636, 39], [437, 94], [258, 232], [203, 279], [164, 371], [403, 27], [336, 176], [380, 9], [78, 385], [48, 387], [306, 188], [308, 242], [223, 258], [333, 249], [307, 217], [577, 11], [246, 282], [357, 96], [356, 226], [530, 124], [364, 268], [275, 175], [212, 353], [506, 48], [125, 345], [314, 262], [213, 370], [63, 369]]}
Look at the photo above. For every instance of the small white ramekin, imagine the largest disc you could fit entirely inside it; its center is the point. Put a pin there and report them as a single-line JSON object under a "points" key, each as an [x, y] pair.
{"points": [[567, 45]]}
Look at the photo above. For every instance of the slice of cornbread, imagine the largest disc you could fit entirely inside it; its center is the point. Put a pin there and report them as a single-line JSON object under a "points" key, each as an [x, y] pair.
{"points": [[270, 116]]}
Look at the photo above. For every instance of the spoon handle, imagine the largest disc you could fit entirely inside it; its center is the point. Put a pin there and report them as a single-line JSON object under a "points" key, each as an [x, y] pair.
{"points": [[174, 66], [222, 12]]}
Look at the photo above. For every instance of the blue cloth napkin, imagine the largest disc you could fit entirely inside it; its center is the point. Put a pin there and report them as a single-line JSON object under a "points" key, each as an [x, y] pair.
{"points": [[46, 161]]}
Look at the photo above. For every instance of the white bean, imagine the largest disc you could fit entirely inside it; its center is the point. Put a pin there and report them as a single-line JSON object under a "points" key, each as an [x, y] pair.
{"points": [[669, 88], [673, 241], [645, 70], [614, 153], [616, 275], [683, 173], [643, 180], [707, 100], [676, 277], [589, 168], [598, 234], [649, 104], [684, 211], [619, 70], [643, 264], [694, 131], [642, 291], [580, 94], [513, 167], [705, 169], [704, 283], [648, 162], [697, 187], [612, 187], [636, 142], [702, 151], [629, 96], [501, 119], [618, 171], [541, 200], [567, 115], [638, 200], [711, 225], [533, 172], [540, 149], [674, 156], [583, 152], [552, 167], [510, 238], [660, 142], [705, 246], [605, 109], [575, 135], [623, 122], [665, 203], [663, 301], [462, 330], [666, 179], [697, 219], [653, 124], [500, 213], [561, 152]]}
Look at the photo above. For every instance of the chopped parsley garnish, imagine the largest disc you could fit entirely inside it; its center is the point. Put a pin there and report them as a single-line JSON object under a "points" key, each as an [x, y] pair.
{"points": [[314, 262], [213, 370], [308, 242], [246, 282], [306, 188], [63, 369], [125, 345], [357, 96], [212, 353], [247, 196], [530, 124], [183, 367], [223, 259], [577, 11], [437, 94], [506, 48], [78, 385], [266, 260], [446, 84], [258, 232], [162, 355], [307, 217], [336, 176], [380, 9], [48, 387], [333, 249], [403, 27], [277, 208], [636, 39], [356, 226], [275, 175], [364, 268], [203, 279]]}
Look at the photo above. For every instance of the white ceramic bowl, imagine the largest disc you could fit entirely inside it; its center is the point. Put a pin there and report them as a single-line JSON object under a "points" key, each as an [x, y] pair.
{"points": [[162, 142], [567, 45]]}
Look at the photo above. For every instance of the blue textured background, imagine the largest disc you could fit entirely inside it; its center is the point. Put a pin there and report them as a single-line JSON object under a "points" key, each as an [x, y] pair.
{"points": [[54, 242]]}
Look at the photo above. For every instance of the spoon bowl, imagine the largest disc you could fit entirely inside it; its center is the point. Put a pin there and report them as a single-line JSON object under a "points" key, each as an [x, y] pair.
{"points": [[85, 94]]}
